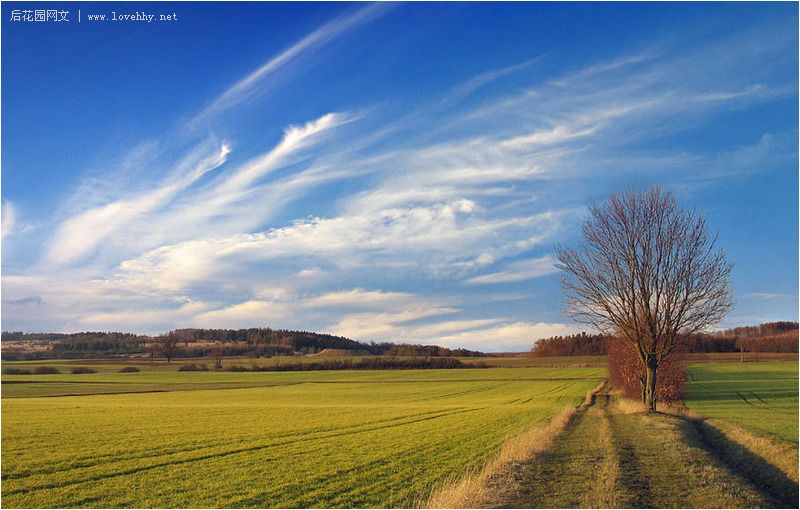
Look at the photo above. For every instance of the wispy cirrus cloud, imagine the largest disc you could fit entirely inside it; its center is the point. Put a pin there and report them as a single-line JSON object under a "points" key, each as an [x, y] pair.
{"points": [[9, 218], [513, 336], [377, 225], [415, 237], [770, 295], [80, 234], [248, 86], [518, 271]]}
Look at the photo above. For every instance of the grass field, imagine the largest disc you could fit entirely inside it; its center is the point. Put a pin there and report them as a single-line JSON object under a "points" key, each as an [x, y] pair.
{"points": [[301, 439], [759, 396], [616, 455]]}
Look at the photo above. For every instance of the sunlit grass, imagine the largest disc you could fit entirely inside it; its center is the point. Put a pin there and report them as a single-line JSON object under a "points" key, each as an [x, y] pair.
{"points": [[759, 396], [299, 439]]}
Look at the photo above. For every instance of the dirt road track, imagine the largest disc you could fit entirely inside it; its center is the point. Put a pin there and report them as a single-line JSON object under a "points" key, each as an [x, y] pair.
{"points": [[609, 458]]}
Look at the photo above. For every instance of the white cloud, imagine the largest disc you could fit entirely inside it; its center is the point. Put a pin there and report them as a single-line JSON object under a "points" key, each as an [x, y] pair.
{"points": [[515, 336], [254, 313], [442, 234], [9, 218], [476, 82], [373, 326], [145, 319], [248, 86], [294, 139], [362, 298], [518, 271], [490, 335], [436, 331], [432, 200], [769, 295], [80, 234]]}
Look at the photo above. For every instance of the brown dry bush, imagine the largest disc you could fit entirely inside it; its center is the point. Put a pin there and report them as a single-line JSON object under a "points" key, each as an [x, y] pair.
{"points": [[193, 367], [627, 372], [83, 370], [46, 370], [16, 371]]}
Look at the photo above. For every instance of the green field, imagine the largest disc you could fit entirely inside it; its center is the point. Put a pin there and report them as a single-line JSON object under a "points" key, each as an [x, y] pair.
{"points": [[161, 438], [759, 396]]}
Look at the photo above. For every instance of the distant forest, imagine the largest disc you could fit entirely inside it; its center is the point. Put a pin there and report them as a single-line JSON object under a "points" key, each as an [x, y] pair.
{"points": [[263, 342], [192, 342], [767, 337]]}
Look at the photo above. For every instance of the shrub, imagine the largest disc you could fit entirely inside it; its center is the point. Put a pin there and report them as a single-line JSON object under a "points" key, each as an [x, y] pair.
{"points": [[125, 370], [626, 372], [193, 367], [83, 370], [16, 371], [46, 370]]}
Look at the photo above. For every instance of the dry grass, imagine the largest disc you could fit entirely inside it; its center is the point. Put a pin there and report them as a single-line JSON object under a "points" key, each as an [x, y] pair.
{"points": [[779, 453], [625, 405], [782, 455], [628, 406], [605, 493], [475, 489]]}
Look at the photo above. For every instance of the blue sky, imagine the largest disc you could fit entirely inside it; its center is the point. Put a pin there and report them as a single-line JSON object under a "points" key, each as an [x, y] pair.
{"points": [[394, 172]]}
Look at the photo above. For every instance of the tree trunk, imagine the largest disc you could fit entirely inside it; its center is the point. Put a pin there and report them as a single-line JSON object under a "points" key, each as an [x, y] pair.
{"points": [[650, 384]]}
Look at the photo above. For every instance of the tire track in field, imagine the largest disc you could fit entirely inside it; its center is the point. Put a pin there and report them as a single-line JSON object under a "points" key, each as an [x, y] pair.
{"points": [[159, 389], [748, 401], [461, 393], [678, 467], [370, 480], [135, 470], [608, 458], [556, 389]]}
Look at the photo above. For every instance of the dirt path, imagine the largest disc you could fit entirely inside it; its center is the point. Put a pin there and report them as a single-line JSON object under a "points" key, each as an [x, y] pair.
{"points": [[610, 458]]}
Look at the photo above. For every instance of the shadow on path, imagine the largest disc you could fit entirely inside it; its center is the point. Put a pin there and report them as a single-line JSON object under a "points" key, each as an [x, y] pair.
{"points": [[768, 478]]}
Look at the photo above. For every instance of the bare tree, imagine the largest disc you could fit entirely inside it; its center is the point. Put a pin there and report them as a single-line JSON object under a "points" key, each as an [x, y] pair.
{"points": [[743, 343], [218, 353], [648, 272], [169, 343]]}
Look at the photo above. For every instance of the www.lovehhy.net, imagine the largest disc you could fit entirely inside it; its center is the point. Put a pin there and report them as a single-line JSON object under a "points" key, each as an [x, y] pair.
{"points": [[66, 16]]}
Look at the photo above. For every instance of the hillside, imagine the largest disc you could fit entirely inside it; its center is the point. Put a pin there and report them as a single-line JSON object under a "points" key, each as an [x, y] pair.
{"points": [[195, 342]]}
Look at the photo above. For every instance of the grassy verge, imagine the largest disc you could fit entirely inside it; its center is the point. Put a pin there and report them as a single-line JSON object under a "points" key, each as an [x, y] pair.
{"points": [[614, 455], [480, 489]]}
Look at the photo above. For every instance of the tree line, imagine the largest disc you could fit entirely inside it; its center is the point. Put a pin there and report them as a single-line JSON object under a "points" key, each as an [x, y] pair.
{"points": [[216, 343], [372, 363], [768, 337]]}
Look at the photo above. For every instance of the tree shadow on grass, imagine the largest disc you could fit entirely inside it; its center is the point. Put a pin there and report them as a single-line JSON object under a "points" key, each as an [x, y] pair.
{"points": [[768, 478]]}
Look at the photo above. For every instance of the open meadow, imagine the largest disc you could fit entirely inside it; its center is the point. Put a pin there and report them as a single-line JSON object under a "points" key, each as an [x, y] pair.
{"points": [[759, 396], [390, 438], [162, 438]]}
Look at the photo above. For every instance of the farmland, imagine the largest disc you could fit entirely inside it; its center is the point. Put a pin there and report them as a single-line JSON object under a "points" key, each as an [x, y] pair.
{"points": [[391, 438], [613, 454], [301, 439], [758, 396]]}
